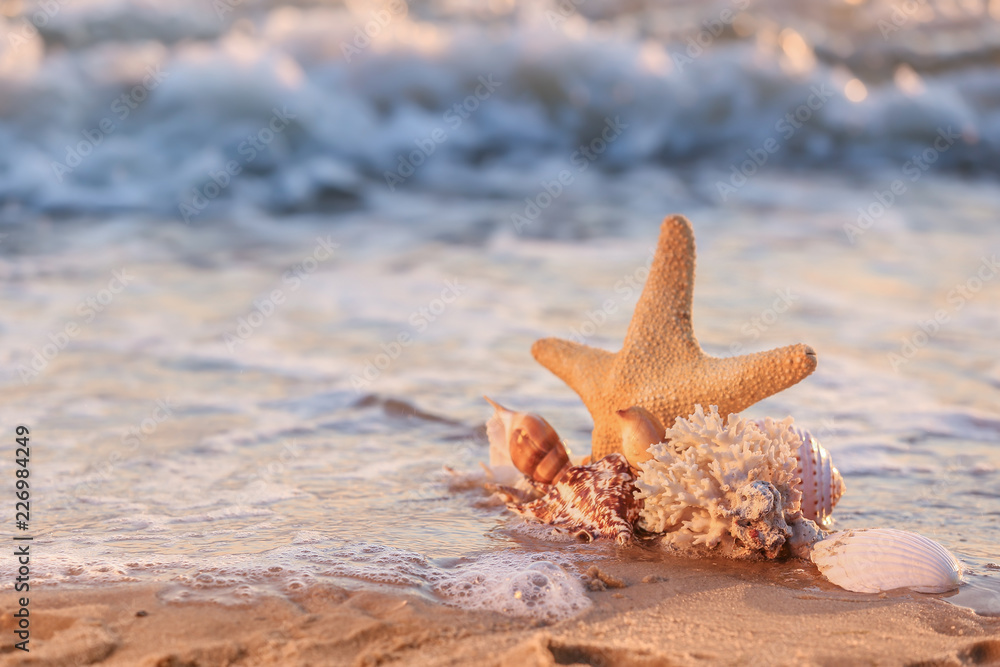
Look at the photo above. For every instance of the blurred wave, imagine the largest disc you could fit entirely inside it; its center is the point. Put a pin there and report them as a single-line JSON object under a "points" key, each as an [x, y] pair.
{"points": [[190, 108]]}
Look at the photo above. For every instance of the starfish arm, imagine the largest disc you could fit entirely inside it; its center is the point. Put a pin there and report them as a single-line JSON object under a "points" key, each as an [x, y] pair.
{"points": [[606, 437], [661, 323], [742, 381], [582, 367]]}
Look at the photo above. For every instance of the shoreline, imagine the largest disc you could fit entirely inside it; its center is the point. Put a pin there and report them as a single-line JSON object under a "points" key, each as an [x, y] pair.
{"points": [[669, 612]]}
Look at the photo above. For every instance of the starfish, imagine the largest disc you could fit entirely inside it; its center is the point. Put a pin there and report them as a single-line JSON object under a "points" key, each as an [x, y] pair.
{"points": [[661, 367]]}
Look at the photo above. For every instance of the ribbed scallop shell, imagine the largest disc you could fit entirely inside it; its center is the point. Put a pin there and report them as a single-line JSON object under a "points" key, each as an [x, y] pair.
{"points": [[822, 485], [881, 559]]}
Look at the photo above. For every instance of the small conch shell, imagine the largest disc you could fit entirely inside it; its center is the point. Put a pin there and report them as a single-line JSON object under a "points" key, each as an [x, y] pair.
{"points": [[882, 559], [532, 444], [803, 534], [758, 518], [640, 430], [822, 484], [591, 501]]}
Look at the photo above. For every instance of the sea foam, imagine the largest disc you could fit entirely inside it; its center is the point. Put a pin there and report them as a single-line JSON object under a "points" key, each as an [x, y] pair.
{"points": [[173, 112]]}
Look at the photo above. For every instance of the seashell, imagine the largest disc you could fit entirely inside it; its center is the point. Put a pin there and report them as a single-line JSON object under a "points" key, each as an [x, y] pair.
{"points": [[501, 469], [640, 430], [804, 533], [591, 501], [531, 443], [758, 518], [881, 559], [822, 484]]}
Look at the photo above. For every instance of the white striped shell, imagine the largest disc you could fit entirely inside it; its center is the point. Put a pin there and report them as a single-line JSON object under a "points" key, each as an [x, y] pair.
{"points": [[822, 485], [501, 468], [881, 559]]}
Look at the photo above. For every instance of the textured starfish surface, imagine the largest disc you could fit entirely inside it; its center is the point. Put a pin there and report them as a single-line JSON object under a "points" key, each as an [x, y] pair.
{"points": [[661, 367], [596, 500]]}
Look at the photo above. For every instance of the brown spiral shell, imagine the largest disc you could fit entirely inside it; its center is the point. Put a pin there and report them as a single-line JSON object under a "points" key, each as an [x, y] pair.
{"points": [[535, 447], [537, 451]]}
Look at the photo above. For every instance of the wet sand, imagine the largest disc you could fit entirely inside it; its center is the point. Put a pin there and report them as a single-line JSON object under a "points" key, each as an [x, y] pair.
{"points": [[674, 613]]}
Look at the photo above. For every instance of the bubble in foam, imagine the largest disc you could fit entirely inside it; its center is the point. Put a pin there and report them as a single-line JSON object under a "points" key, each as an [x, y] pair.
{"points": [[513, 585], [378, 564]]}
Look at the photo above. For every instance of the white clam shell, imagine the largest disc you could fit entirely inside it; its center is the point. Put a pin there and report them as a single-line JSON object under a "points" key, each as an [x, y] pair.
{"points": [[881, 559], [822, 485]]}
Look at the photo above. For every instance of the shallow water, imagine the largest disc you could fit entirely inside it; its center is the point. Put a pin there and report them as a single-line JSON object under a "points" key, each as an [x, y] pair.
{"points": [[171, 445], [260, 394]]}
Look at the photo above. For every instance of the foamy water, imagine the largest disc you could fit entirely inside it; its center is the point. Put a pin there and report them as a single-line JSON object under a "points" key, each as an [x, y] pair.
{"points": [[258, 270], [181, 438], [194, 110]]}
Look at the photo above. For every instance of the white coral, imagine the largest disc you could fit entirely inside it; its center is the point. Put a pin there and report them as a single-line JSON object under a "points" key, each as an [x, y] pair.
{"points": [[729, 485]]}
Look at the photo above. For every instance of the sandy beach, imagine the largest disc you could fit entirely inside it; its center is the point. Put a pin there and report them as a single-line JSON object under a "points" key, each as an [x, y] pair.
{"points": [[675, 612]]}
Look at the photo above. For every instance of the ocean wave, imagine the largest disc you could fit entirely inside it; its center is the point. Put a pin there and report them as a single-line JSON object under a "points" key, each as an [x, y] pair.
{"points": [[191, 111]]}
